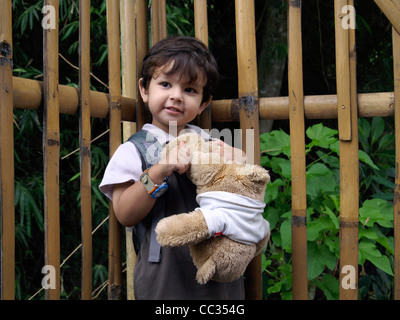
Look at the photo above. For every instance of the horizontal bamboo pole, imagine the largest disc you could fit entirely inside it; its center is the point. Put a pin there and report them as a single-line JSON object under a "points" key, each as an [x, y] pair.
{"points": [[379, 104], [28, 94]]}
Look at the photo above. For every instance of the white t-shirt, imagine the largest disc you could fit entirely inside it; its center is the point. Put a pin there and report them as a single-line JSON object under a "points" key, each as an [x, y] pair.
{"points": [[235, 216], [126, 164]]}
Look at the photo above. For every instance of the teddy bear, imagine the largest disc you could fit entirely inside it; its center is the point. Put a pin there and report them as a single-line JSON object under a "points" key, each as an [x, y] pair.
{"points": [[227, 230]]}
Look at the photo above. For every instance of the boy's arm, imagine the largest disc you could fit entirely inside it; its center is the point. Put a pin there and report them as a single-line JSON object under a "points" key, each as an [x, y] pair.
{"points": [[131, 202]]}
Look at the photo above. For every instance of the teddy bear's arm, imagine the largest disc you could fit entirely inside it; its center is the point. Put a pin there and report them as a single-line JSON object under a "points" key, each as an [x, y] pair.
{"points": [[182, 229]]}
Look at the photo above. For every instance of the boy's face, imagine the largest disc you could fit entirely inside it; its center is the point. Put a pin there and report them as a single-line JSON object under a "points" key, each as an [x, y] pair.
{"points": [[172, 98]]}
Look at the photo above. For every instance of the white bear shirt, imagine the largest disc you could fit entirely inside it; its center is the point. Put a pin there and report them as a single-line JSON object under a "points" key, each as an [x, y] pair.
{"points": [[234, 216]]}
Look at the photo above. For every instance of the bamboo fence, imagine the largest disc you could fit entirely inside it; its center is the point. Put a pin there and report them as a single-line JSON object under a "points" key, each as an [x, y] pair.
{"points": [[51, 151], [128, 19]]}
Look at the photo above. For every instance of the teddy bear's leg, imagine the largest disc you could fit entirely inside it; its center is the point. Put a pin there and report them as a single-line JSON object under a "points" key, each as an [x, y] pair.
{"points": [[232, 259], [182, 229], [206, 271]]}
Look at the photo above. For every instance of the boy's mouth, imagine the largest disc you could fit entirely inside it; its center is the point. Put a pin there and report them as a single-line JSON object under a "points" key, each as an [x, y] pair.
{"points": [[173, 110]]}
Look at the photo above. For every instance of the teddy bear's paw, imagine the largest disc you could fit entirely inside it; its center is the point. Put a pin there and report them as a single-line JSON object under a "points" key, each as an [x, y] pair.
{"points": [[206, 272], [182, 229], [165, 232]]}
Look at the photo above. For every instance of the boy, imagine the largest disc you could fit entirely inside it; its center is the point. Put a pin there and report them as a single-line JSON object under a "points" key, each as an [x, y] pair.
{"points": [[179, 76]]}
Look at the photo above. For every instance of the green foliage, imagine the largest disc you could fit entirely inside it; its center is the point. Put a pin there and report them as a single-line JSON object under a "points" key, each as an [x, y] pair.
{"points": [[323, 206]]}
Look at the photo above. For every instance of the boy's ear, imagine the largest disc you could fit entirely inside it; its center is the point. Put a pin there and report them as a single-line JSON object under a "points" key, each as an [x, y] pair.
{"points": [[143, 91], [204, 105]]}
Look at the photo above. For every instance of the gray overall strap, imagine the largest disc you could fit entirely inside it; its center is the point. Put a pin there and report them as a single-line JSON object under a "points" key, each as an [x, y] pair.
{"points": [[150, 151], [155, 248]]}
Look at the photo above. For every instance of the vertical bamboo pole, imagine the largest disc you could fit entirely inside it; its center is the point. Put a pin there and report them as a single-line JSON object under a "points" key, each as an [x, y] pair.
{"points": [[84, 141], [142, 47], [349, 174], [114, 74], [396, 200], [249, 110], [7, 210], [201, 32], [343, 73], [201, 20], [51, 150], [298, 156], [129, 89], [158, 21]]}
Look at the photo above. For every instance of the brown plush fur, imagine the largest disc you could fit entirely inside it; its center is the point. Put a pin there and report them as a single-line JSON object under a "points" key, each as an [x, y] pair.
{"points": [[220, 258]]}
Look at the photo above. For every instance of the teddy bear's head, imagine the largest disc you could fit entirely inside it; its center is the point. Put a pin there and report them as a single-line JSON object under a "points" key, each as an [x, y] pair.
{"points": [[243, 179], [209, 172]]}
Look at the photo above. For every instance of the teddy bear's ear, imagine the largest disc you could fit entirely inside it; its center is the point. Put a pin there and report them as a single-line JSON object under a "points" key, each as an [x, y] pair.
{"points": [[254, 173], [202, 174]]}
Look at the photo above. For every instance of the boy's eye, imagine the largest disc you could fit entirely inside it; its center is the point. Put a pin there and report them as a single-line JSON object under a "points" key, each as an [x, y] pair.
{"points": [[164, 84], [190, 90]]}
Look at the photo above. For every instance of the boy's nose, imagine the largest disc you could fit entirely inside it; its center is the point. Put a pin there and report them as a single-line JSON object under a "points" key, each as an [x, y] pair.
{"points": [[176, 94]]}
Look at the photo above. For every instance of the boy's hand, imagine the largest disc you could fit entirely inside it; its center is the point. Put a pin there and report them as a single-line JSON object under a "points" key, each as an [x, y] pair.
{"points": [[228, 153], [177, 159]]}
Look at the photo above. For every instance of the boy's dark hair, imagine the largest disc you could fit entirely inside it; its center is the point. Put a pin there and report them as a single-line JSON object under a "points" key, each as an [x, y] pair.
{"points": [[190, 57]]}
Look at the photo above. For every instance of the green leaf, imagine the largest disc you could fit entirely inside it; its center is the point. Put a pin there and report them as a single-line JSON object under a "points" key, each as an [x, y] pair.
{"points": [[319, 257], [386, 140], [74, 177], [332, 216], [330, 286], [265, 263], [279, 166], [272, 190], [376, 211], [315, 227], [275, 143], [335, 147], [315, 262], [286, 235], [331, 161], [319, 180], [376, 234], [384, 181], [364, 128], [321, 136], [377, 127], [366, 159], [271, 214], [369, 251]]}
